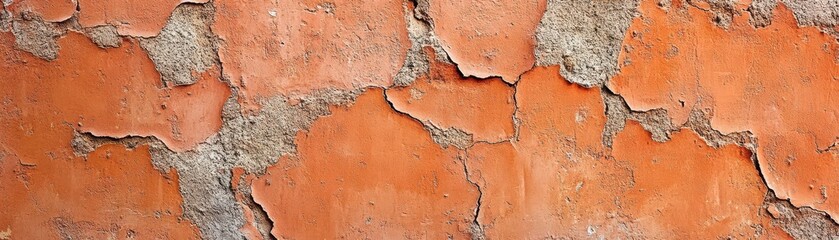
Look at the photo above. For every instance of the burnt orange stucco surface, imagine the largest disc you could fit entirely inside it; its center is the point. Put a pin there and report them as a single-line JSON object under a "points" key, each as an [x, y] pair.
{"points": [[778, 82], [643, 119]]}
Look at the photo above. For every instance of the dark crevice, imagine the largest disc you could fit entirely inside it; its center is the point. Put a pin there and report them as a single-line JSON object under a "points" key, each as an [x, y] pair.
{"points": [[261, 220], [444, 137], [476, 229], [516, 111]]}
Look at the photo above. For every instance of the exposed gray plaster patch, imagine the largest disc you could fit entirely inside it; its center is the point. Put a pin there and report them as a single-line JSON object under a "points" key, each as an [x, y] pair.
{"points": [[421, 36], [822, 13], [655, 121], [36, 36], [760, 12], [104, 36], [186, 45], [800, 223], [449, 136], [584, 38], [699, 122], [5, 21]]}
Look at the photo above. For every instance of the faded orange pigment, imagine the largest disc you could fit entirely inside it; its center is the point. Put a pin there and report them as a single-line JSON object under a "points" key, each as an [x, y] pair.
{"points": [[482, 107], [776, 82], [298, 47], [488, 38], [356, 178]]}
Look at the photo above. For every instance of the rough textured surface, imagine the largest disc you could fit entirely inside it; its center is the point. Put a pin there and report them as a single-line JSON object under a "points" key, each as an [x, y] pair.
{"points": [[37, 37], [656, 121], [584, 38], [311, 119], [421, 36], [761, 12], [104, 36], [822, 13], [800, 223], [186, 46]]}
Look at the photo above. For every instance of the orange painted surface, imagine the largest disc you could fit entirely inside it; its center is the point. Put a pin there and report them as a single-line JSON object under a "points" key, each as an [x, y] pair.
{"points": [[777, 82], [135, 18], [114, 193], [537, 168], [355, 178], [118, 93], [488, 38], [296, 47], [49, 10], [685, 189], [557, 181], [482, 107]]}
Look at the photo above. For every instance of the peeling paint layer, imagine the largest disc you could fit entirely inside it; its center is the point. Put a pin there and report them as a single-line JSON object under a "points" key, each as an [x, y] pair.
{"points": [[487, 38], [386, 179], [309, 45], [675, 60], [481, 107]]}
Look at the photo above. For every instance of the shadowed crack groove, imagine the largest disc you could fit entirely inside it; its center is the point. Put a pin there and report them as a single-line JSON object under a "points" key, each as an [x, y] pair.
{"points": [[832, 148], [262, 221], [457, 138], [476, 229], [516, 120], [443, 137]]}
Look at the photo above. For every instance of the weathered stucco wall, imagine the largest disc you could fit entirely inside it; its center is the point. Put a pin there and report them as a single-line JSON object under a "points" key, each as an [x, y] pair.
{"points": [[419, 119]]}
